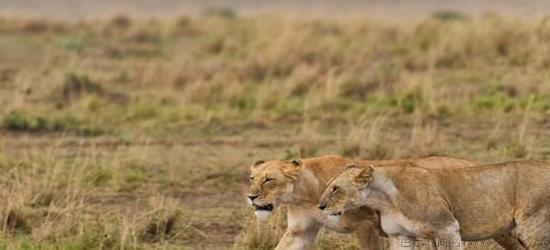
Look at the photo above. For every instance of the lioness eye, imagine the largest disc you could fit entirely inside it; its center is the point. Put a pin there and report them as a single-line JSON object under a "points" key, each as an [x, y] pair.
{"points": [[267, 180], [251, 178], [334, 189]]}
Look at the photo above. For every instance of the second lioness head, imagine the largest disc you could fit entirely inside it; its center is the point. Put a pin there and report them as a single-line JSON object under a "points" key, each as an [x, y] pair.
{"points": [[347, 190]]}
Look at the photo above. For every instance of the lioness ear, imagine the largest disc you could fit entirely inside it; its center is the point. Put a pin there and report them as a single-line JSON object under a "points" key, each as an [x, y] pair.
{"points": [[258, 162], [364, 176], [297, 162], [292, 172]]}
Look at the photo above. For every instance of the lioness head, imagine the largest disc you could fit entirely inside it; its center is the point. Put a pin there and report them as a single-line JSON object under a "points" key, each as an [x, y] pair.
{"points": [[271, 183], [346, 191]]}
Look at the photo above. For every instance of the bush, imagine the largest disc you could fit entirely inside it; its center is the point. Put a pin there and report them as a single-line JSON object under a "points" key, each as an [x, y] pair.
{"points": [[21, 121], [222, 12], [448, 15], [16, 121], [77, 85]]}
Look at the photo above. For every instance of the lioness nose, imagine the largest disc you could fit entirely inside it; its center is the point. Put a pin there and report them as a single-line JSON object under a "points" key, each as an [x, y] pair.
{"points": [[252, 197], [322, 206]]}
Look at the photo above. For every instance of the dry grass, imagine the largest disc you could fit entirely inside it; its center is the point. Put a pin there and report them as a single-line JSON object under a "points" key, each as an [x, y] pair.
{"points": [[136, 134]]}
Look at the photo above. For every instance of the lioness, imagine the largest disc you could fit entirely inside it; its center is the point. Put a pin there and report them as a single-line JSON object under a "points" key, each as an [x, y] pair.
{"points": [[299, 183], [449, 204]]}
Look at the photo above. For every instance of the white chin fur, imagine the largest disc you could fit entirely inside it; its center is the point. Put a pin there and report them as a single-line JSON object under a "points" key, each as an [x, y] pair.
{"points": [[262, 215], [333, 217]]}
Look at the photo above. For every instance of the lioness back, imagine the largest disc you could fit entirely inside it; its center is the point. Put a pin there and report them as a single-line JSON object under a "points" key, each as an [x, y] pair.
{"points": [[435, 162], [513, 189], [325, 167], [509, 189]]}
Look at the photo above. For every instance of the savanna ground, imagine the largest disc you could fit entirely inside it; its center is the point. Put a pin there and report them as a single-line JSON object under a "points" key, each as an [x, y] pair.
{"points": [[126, 133]]}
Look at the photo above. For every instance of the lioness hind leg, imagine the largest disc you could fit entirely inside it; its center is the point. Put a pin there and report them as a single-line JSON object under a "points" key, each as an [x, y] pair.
{"points": [[368, 235], [534, 231], [509, 242]]}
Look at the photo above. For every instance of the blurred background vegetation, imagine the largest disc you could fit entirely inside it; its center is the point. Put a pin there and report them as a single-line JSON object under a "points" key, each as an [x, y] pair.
{"points": [[124, 75]]}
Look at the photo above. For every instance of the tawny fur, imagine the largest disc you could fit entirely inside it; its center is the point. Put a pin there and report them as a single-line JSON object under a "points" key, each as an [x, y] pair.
{"points": [[299, 186], [507, 201]]}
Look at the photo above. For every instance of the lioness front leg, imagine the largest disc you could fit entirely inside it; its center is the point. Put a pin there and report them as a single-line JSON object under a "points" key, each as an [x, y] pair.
{"points": [[401, 243], [449, 238], [368, 235], [509, 242], [301, 231]]}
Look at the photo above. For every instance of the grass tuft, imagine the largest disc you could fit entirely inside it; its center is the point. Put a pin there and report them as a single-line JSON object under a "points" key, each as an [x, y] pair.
{"points": [[221, 12], [16, 221], [449, 15], [160, 227]]}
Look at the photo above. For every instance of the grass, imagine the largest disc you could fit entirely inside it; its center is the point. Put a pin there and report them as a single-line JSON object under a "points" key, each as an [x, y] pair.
{"points": [[125, 133], [335, 66]]}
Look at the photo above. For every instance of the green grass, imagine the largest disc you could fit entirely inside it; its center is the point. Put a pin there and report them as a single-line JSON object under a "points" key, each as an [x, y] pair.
{"points": [[146, 74], [126, 133]]}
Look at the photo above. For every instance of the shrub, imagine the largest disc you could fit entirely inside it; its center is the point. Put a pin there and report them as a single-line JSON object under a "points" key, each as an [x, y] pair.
{"points": [[16, 121], [448, 15], [77, 85], [222, 12]]}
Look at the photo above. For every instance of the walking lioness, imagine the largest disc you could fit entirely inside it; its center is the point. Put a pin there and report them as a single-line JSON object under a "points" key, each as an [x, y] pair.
{"points": [[449, 204], [298, 184]]}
